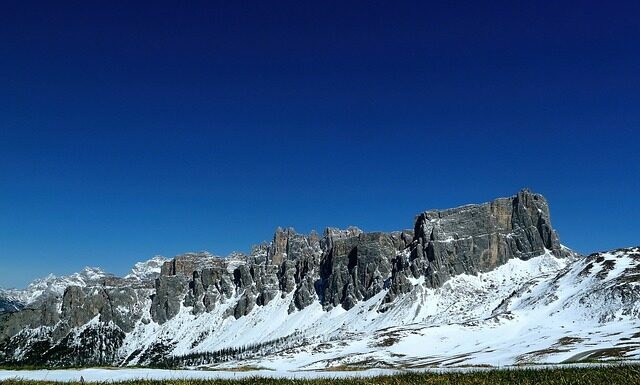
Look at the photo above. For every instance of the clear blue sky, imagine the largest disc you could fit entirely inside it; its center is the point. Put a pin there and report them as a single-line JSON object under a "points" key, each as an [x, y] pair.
{"points": [[129, 130]]}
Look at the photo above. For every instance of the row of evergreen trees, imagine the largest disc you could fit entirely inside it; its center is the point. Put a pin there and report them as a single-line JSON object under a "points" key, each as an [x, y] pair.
{"points": [[234, 353]]}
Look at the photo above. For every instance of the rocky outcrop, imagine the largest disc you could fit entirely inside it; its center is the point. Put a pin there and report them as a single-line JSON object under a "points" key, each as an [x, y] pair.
{"points": [[355, 266], [475, 238], [45, 312], [338, 269], [84, 326], [188, 263], [620, 292], [169, 294]]}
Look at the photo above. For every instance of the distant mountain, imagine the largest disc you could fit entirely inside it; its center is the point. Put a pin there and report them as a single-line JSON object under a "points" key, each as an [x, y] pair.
{"points": [[8, 305], [52, 286], [147, 270], [486, 284]]}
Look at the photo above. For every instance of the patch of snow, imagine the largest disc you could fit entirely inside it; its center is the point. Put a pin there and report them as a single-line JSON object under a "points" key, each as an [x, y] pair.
{"points": [[149, 269]]}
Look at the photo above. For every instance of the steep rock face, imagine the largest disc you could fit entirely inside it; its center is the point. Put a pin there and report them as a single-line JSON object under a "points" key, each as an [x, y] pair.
{"points": [[44, 314], [355, 266], [299, 265], [475, 238], [169, 293], [83, 326], [188, 263], [117, 305], [208, 287]]}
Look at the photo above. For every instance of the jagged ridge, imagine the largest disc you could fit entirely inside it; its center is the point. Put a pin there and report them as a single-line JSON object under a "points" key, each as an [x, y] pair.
{"points": [[340, 269]]}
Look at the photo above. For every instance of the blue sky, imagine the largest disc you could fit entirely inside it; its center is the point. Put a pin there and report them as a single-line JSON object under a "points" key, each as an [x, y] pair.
{"points": [[129, 130]]}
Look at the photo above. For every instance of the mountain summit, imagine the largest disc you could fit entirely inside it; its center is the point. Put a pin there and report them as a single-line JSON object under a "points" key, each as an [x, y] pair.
{"points": [[478, 284]]}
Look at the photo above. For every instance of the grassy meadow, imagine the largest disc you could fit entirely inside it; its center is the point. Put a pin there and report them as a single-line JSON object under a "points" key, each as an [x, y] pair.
{"points": [[623, 374]]}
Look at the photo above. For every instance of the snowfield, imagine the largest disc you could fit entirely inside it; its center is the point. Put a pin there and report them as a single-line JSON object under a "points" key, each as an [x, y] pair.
{"points": [[543, 310], [116, 375]]}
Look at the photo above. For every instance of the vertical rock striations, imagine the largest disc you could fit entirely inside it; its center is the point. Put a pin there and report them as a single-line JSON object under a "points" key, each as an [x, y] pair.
{"points": [[475, 238]]}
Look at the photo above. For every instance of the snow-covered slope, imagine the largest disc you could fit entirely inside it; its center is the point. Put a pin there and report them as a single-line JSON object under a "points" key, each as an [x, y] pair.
{"points": [[149, 269], [486, 284], [587, 310], [541, 310]]}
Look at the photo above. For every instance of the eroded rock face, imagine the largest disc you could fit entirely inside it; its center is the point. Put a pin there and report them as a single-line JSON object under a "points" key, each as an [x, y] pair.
{"points": [[188, 263], [44, 314], [475, 238], [169, 294], [119, 306], [83, 326], [355, 267], [339, 268]]}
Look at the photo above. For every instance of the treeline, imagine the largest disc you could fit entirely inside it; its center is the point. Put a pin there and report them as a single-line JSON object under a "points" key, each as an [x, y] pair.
{"points": [[234, 353]]}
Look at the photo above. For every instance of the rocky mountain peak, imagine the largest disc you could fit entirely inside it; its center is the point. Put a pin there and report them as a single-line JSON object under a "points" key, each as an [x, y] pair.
{"points": [[475, 238], [149, 269]]}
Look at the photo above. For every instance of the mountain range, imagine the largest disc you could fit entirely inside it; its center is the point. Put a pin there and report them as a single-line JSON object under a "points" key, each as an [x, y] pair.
{"points": [[476, 285]]}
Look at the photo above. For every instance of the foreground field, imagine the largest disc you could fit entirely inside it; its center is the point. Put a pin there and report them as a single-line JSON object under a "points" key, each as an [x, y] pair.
{"points": [[624, 374]]}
